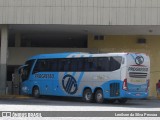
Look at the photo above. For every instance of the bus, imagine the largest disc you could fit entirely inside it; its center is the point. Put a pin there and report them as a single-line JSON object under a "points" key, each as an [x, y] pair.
{"points": [[94, 77]]}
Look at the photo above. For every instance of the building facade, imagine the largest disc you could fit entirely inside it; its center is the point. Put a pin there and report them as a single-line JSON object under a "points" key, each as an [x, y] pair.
{"points": [[30, 27]]}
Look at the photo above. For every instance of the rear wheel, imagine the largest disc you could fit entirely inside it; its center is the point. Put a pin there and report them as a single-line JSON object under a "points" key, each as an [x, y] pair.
{"points": [[122, 101], [99, 96], [87, 95], [36, 92]]}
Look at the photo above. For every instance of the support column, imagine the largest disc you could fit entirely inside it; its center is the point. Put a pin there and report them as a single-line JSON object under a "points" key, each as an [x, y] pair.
{"points": [[3, 62], [18, 40]]}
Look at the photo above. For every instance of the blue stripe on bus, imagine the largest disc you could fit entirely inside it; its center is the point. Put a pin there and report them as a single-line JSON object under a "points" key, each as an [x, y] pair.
{"points": [[81, 74], [65, 73], [132, 56], [80, 78], [73, 74]]}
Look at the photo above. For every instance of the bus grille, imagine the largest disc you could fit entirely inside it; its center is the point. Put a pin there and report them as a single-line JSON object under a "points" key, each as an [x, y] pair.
{"points": [[137, 75], [114, 89]]}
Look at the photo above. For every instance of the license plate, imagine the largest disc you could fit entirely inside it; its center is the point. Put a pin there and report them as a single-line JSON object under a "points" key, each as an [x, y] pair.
{"points": [[137, 94]]}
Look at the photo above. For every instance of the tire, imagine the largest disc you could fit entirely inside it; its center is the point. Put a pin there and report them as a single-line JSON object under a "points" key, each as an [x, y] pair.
{"points": [[99, 96], [122, 101], [36, 92], [87, 95]]}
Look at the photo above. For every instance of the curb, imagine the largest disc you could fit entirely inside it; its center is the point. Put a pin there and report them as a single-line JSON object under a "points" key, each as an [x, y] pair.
{"points": [[153, 98], [14, 96]]}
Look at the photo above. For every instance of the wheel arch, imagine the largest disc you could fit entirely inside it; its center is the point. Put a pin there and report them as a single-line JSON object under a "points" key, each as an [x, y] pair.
{"points": [[85, 88], [35, 87], [97, 88]]}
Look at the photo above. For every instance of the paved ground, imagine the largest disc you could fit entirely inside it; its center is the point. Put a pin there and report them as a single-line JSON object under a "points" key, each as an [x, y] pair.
{"points": [[75, 104]]}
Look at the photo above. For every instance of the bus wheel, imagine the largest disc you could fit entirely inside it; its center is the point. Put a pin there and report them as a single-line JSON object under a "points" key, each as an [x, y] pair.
{"points": [[36, 92], [87, 95], [122, 101], [99, 96]]}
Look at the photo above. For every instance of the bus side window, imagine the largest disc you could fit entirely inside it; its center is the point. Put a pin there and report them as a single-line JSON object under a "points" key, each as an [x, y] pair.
{"points": [[99, 66], [46, 66], [103, 64], [41, 66], [86, 62], [94, 64], [73, 65], [80, 64], [36, 67], [106, 64], [66, 65], [61, 64], [115, 63], [53, 65]]}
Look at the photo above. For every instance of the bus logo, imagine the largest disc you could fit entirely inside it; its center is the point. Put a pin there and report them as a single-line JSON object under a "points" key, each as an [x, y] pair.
{"points": [[69, 84], [139, 60]]}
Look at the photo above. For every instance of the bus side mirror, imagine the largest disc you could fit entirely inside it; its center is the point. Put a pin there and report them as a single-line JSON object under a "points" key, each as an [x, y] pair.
{"points": [[20, 71]]}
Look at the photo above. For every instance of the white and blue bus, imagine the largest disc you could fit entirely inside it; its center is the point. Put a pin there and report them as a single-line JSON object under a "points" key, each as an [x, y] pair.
{"points": [[94, 77]]}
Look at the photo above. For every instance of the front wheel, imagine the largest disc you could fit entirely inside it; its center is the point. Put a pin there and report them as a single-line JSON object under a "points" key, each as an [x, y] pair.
{"points": [[36, 92], [99, 96]]}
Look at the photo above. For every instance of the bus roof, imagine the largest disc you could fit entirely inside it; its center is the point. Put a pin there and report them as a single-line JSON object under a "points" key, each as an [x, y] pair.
{"points": [[55, 55], [75, 54]]}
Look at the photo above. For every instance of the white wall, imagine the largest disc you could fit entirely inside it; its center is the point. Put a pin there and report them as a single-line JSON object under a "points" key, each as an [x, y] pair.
{"points": [[95, 12]]}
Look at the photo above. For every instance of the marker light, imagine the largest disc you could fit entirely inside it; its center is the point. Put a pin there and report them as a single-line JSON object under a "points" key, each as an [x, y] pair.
{"points": [[125, 87]]}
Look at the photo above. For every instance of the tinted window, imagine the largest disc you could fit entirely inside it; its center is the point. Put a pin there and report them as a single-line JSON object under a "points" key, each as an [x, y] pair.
{"points": [[26, 70], [78, 64], [73, 65], [103, 64], [42, 66], [53, 65], [115, 63]]}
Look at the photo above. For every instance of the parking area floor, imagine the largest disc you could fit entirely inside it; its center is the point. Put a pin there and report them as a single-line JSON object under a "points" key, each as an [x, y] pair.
{"points": [[26, 103]]}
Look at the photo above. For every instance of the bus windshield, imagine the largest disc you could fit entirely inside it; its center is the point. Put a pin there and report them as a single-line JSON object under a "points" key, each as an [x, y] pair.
{"points": [[25, 71]]}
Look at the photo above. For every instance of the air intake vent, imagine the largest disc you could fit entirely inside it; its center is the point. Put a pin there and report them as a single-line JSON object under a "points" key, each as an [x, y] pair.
{"points": [[114, 89]]}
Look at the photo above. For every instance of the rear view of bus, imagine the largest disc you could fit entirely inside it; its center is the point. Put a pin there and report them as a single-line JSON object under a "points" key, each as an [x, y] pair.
{"points": [[136, 81]]}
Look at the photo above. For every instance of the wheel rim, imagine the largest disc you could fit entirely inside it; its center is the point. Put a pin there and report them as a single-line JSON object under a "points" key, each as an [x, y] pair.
{"points": [[88, 96], [99, 97]]}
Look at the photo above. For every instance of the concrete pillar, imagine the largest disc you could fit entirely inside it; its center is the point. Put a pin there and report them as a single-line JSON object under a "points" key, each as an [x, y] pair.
{"points": [[18, 40], [3, 62]]}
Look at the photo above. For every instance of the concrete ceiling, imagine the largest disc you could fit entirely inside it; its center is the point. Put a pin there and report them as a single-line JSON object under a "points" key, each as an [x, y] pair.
{"points": [[77, 34], [85, 29]]}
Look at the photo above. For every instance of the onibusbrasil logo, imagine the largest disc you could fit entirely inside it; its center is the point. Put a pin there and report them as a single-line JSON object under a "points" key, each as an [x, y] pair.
{"points": [[139, 60], [69, 84]]}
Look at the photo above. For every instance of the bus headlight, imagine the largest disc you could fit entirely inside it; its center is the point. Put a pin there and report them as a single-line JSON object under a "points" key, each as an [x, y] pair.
{"points": [[24, 89]]}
